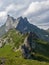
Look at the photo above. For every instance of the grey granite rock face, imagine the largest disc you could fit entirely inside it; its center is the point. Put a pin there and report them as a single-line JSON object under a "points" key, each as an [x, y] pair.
{"points": [[25, 52], [29, 46], [11, 23]]}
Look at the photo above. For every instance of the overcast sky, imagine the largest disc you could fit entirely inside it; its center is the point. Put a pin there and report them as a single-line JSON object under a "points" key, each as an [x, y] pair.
{"points": [[37, 11]]}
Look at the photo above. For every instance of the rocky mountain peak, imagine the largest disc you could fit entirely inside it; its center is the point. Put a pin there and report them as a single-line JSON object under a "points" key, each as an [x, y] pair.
{"points": [[20, 18], [22, 24], [10, 17], [25, 18]]}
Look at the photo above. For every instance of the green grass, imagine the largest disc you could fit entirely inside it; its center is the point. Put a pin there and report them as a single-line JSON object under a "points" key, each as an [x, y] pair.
{"points": [[6, 51], [15, 58], [17, 38]]}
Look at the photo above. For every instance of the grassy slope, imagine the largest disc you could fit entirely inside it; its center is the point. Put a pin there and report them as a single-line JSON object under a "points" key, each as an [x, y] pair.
{"points": [[17, 38], [15, 58]]}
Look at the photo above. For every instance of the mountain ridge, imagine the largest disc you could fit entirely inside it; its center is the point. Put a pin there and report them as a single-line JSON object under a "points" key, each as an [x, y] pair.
{"points": [[22, 24], [22, 41]]}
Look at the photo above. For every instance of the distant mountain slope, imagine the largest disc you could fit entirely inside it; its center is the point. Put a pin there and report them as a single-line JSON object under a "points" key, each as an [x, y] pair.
{"points": [[47, 30], [2, 30], [22, 24]]}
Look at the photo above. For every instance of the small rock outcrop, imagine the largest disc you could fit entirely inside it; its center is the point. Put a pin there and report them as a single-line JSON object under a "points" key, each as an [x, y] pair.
{"points": [[2, 61]]}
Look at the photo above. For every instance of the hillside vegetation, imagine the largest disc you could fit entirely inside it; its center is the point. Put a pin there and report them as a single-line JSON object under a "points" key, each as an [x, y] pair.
{"points": [[16, 39]]}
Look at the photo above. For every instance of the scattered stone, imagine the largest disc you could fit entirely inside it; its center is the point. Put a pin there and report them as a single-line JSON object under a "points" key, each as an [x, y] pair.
{"points": [[2, 61]]}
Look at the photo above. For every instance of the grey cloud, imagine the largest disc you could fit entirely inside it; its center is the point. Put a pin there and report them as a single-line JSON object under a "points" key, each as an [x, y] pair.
{"points": [[37, 17]]}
